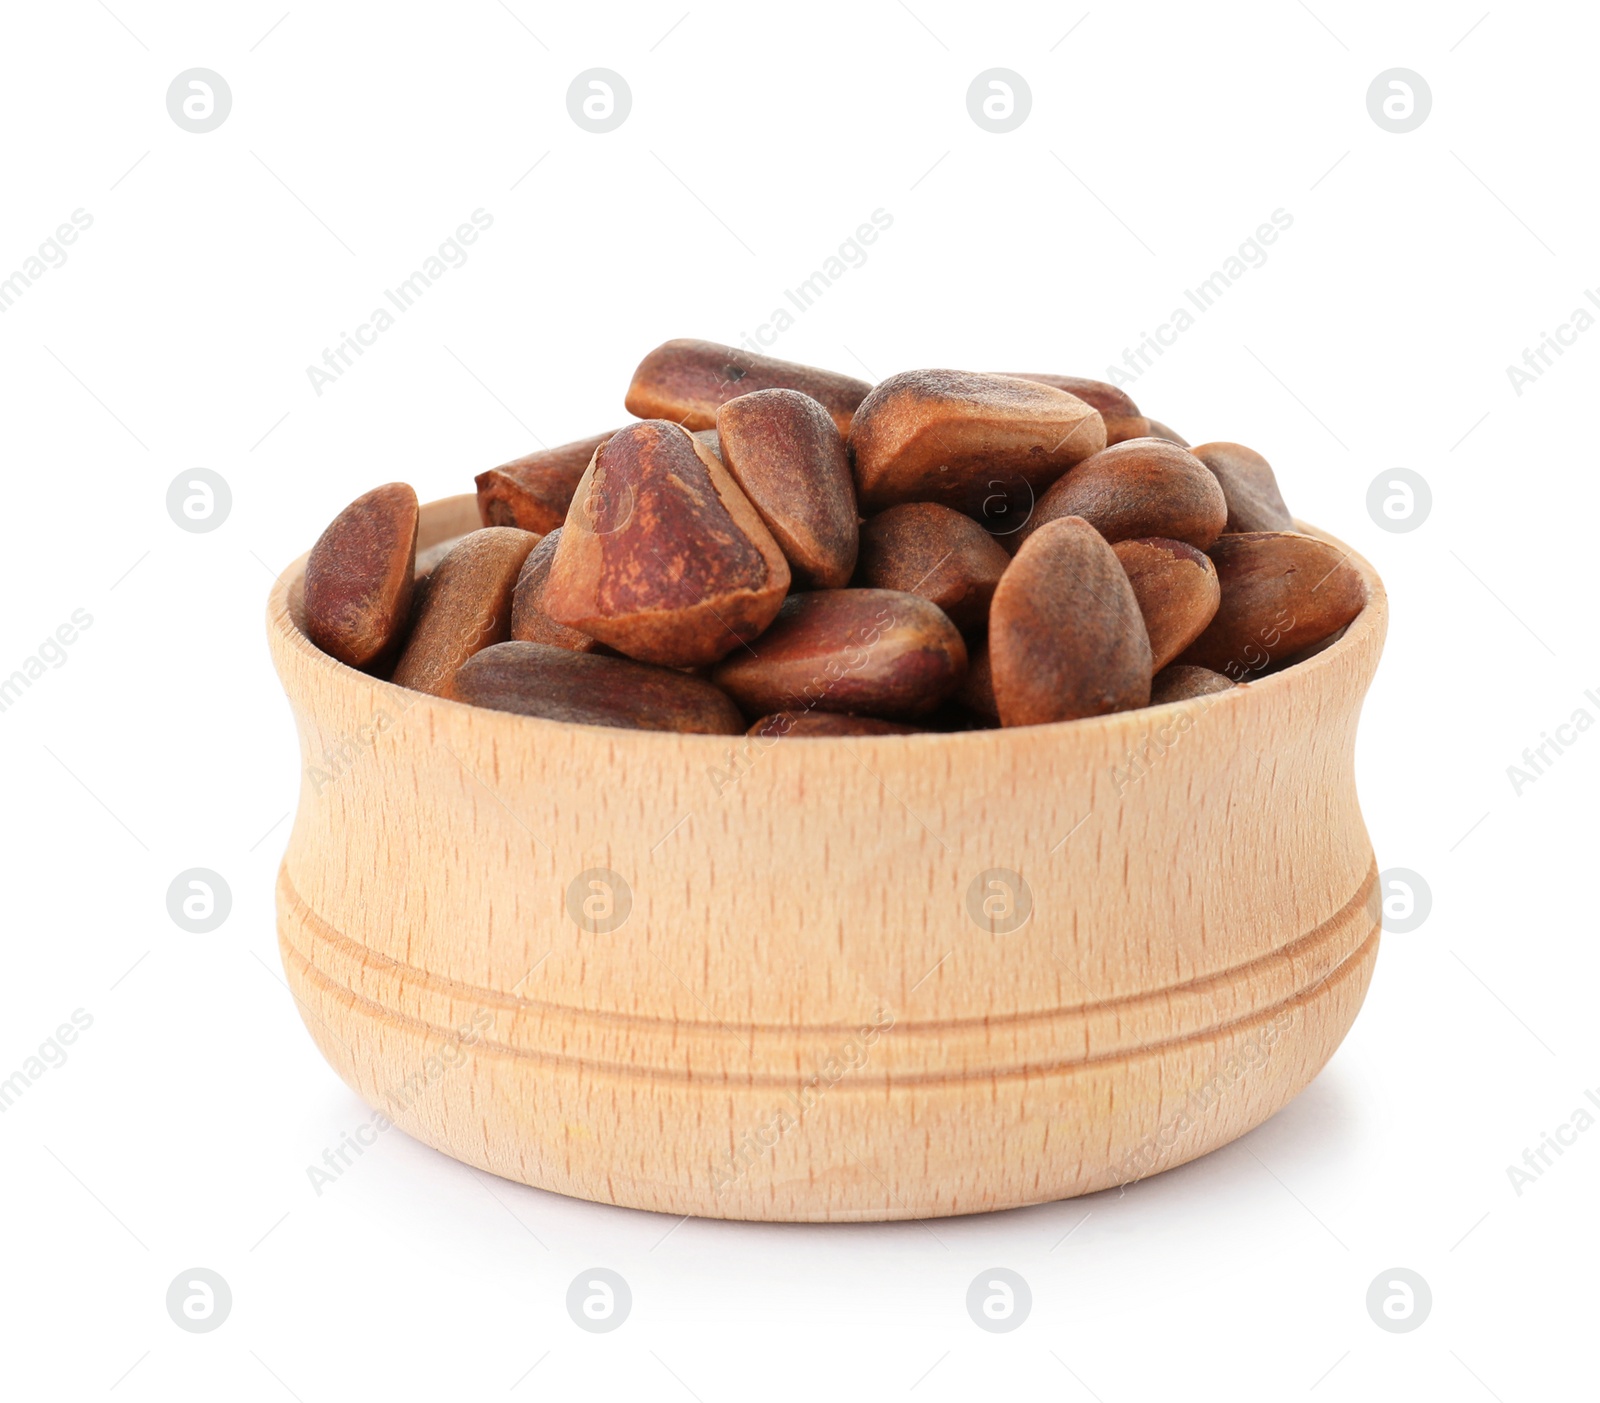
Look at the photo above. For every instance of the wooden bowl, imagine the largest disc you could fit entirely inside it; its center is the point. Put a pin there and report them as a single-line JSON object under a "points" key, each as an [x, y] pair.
{"points": [[826, 979]]}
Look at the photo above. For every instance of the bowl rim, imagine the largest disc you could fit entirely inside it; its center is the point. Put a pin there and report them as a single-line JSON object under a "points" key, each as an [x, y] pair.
{"points": [[283, 627]]}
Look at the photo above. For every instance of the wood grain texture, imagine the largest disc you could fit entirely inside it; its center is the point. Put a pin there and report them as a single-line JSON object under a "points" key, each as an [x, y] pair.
{"points": [[799, 1019]]}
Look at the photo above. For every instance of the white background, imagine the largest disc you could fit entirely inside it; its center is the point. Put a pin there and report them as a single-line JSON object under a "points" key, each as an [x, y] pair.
{"points": [[1377, 335]]}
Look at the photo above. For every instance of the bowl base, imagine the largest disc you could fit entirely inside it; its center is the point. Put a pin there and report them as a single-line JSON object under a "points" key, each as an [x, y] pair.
{"points": [[497, 1082]]}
